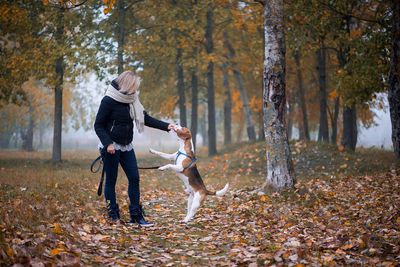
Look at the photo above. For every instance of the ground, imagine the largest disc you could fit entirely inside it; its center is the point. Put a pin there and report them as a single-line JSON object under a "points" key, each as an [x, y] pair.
{"points": [[344, 210]]}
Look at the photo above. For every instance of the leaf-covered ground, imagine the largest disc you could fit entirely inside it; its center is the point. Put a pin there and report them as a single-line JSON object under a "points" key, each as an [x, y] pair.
{"points": [[343, 211]]}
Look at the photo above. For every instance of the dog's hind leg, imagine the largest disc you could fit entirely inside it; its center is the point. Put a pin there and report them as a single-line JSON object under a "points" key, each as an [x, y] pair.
{"points": [[190, 201], [163, 155], [197, 200]]}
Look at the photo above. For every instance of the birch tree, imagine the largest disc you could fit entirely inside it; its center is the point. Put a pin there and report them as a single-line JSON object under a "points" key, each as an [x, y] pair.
{"points": [[279, 173]]}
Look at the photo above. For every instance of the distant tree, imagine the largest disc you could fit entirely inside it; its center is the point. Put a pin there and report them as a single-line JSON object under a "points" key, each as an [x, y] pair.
{"points": [[394, 78]]}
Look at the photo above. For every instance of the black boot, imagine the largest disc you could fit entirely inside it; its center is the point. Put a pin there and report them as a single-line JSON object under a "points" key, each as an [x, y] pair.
{"points": [[113, 212], [137, 216]]}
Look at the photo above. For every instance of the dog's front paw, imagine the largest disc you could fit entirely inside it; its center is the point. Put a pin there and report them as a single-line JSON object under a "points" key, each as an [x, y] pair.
{"points": [[162, 168], [152, 151]]}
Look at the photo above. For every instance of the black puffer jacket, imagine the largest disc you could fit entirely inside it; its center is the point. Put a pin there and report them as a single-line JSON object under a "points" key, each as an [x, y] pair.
{"points": [[114, 123]]}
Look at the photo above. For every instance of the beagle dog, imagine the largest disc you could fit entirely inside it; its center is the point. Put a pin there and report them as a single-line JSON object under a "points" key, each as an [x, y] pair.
{"points": [[186, 169]]}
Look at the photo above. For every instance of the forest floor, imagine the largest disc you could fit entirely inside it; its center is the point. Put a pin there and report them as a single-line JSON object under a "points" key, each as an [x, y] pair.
{"points": [[344, 210]]}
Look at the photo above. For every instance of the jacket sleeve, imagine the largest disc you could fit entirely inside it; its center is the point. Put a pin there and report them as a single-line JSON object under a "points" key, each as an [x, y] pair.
{"points": [[154, 123], [100, 124]]}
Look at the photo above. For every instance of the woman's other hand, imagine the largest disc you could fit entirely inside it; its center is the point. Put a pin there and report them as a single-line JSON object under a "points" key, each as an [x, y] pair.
{"points": [[111, 149]]}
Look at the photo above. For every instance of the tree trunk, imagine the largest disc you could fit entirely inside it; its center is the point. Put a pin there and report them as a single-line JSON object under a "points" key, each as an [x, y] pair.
{"points": [[323, 133], [289, 116], [251, 132], [212, 134], [303, 129], [181, 87], [349, 138], [29, 133], [121, 35], [280, 173], [203, 128], [41, 133], [334, 121], [193, 126], [58, 92], [227, 107], [394, 79]]}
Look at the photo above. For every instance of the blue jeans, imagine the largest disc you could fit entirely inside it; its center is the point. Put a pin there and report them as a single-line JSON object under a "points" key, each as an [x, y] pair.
{"points": [[128, 163]]}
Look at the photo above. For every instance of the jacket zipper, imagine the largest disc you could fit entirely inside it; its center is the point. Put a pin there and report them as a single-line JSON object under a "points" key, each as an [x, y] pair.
{"points": [[112, 126]]}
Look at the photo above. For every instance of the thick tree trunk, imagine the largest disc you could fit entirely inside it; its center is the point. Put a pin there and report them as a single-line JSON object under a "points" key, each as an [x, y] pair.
{"points": [[349, 138], [58, 92], [193, 126], [181, 87], [227, 107], [121, 35], [394, 79], [303, 129], [212, 134], [334, 121], [280, 173], [323, 133], [251, 132]]}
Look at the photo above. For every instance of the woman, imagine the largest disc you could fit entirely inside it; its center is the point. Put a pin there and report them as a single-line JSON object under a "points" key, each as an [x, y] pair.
{"points": [[114, 127]]}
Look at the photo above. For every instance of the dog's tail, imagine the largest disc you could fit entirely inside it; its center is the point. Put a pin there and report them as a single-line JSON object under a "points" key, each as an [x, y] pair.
{"points": [[219, 193]]}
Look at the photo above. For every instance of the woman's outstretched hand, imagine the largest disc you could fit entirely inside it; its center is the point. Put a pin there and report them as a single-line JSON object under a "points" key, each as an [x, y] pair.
{"points": [[172, 126], [111, 149]]}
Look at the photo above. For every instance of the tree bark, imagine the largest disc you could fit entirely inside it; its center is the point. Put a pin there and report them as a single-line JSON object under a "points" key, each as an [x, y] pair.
{"points": [[289, 116], [193, 126], [349, 138], [181, 87], [350, 134], [280, 174], [227, 107], [394, 79], [334, 120], [303, 129], [121, 35], [323, 133], [212, 134], [58, 92], [251, 132]]}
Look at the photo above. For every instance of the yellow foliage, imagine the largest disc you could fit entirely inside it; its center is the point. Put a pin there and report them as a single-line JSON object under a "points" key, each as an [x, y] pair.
{"points": [[333, 95], [168, 106], [256, 104]]}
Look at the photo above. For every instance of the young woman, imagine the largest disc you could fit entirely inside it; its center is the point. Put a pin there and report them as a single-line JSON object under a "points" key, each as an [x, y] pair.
{"points": [[119, 108]]}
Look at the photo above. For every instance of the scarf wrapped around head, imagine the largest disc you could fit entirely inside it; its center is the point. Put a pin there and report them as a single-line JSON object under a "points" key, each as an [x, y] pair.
{"points": [[136, 108]]}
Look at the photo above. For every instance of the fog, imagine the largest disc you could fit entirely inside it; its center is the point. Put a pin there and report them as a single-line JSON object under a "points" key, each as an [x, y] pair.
{"points": [[379, 135]]}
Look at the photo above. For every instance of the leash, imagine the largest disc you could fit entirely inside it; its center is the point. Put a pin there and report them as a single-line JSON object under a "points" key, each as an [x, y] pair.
{"points": [[100, 162]]}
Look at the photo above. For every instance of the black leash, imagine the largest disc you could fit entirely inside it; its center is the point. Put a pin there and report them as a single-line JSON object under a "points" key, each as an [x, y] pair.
{"points": [[101, 163]]}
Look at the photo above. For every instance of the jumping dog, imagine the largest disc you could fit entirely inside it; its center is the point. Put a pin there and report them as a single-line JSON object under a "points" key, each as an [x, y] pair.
{"points": [[186, 169]]}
